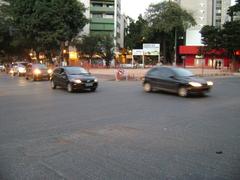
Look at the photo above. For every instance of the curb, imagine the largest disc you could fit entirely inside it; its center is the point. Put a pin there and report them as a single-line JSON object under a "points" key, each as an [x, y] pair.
{"points": [[132, 77]]}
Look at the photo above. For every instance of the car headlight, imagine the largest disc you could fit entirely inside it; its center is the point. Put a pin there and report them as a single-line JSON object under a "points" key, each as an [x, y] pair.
{"points": [[209, 83], [96, 80], [195, 84], [37, 71], [50, 71], [78, 81]]}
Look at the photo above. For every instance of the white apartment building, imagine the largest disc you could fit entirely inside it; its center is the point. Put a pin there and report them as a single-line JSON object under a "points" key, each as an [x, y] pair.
{"points": [[205, 12]]}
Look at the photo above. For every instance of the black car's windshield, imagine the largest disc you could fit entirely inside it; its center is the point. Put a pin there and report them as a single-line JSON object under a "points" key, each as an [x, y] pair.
{"points": [[76, 71], [40, 66], [23, 64], [183, 72]]}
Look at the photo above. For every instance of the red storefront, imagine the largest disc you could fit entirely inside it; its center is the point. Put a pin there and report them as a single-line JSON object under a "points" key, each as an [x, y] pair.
{"points": [[190, 57]]}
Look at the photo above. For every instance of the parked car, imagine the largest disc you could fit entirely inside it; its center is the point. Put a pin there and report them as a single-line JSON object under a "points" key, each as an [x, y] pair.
{"points": [[37, 72], [176, 80], [73, 78], [2, 68]]}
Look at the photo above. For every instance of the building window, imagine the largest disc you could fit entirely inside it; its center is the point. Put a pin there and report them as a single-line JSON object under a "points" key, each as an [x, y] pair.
{"points": [[108, 16], [97, 15], [97, 5], [110, 6]]}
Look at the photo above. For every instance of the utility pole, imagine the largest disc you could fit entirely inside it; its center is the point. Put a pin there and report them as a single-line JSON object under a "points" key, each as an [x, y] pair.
{"points": [[175, 47]]}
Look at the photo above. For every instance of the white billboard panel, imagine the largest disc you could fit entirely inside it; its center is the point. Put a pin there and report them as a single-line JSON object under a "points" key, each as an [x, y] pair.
{"points": [[151, 49], [137, 52]]}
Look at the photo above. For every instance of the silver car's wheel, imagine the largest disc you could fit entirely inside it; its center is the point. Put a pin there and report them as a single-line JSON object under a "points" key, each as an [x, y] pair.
{"points": [[69, 87], [53, 85], [147, 87], [182, 91]]}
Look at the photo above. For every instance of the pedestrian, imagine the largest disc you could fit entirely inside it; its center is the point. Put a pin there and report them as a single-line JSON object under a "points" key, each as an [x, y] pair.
{"points": [[216, 64], [219, 64]]}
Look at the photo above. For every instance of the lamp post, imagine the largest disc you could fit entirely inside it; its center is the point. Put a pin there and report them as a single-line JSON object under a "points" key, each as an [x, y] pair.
{"points": [[175, 47]]}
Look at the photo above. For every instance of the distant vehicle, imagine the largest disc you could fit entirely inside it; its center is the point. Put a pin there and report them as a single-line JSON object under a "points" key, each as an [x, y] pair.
{"points": [[2, 68], [19, 68], [37, 72], [73, 78], [176, 80]]}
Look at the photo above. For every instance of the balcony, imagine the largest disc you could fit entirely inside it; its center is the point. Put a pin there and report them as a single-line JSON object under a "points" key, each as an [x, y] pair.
{"points": [[101, 9], [102, 27]]}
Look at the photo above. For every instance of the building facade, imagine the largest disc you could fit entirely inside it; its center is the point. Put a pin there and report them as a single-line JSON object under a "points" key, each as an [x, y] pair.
{"points": [[105, 18], [205, 12]]}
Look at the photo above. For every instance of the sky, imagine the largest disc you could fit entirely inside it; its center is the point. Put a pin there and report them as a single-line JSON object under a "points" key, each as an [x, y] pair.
{"points": [[133, 8]]}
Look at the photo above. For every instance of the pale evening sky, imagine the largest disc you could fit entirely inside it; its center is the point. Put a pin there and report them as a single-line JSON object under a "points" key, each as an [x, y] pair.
{"points": [[133, 8]]}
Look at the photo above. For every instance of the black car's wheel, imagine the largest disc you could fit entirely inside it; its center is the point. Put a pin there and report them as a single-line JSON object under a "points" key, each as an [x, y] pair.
{"points": [[93, 89], [53, 85], [69, 87], [182, 91], [147, 87], [33, 78]]}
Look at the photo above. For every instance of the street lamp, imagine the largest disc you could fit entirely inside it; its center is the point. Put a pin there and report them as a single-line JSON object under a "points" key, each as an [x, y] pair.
{"points": [[175, 47]]}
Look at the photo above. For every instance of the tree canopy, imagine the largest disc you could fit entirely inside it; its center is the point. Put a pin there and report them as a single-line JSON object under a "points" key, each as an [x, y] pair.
{"points": [[96, 44], [168, 16], [161, 23], [136, 32], [45, 24]]}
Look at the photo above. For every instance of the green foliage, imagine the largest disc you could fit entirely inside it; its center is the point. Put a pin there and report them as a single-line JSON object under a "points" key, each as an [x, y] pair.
{"points": [[165, 20], [234, 11], [228, 37], [106, 45], [136, 33], [89, 45], [231, 37], [96, 44], [46, 24], [167, 16], [211, 37], [162, 20]]}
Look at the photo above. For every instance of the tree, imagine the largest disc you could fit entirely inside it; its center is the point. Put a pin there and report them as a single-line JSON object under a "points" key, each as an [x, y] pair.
{"points": [[89, 45], [136, 33], [11, 42], [106, 46], [46, 24], [231, 33], [231, 40], [167, 19], [234, 11], [212, 39]]}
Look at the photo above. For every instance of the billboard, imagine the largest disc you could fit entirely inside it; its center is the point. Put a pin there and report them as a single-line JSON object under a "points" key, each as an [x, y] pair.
{"points": [[151, 49], [137, 52]]}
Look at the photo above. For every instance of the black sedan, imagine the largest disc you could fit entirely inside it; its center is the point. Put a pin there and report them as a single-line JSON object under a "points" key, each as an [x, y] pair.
{"points": [[73, 78], [176, 80]]}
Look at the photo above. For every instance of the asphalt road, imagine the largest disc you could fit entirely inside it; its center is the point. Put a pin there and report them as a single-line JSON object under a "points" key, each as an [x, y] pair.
{"points": [[118, 132]]}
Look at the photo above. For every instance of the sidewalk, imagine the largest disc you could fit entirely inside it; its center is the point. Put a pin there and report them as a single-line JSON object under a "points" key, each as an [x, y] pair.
{"points": [[137, 74]]}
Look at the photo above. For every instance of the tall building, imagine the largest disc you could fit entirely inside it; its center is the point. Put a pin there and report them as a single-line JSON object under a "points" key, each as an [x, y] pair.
{"points": [[220, 8], [205, 12], [105, 18]]}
